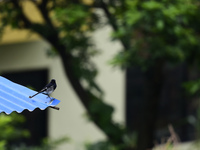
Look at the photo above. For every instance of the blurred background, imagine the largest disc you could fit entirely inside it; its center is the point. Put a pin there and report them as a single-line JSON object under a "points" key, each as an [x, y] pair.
{"points": [[127, 73]]}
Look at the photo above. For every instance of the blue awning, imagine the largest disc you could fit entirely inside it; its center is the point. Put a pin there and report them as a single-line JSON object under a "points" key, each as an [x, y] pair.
{"points": [[15, 97]]}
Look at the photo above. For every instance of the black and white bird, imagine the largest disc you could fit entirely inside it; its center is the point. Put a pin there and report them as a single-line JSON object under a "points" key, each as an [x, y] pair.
{"points": [[48, 89]]}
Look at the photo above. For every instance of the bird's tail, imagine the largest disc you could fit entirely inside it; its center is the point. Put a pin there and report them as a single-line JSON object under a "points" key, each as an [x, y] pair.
{"points": [[34, 95], [37, 93]]}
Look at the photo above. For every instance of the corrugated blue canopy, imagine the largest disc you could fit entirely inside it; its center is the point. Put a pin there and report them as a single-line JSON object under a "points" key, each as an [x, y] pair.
{"points": [[15, 97]]}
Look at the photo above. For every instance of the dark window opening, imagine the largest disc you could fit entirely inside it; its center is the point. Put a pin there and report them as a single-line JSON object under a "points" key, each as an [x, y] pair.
{"points": [[174, 106], [36, 121]]}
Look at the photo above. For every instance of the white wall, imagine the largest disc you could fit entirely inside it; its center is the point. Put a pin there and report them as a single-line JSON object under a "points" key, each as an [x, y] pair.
{"points": [[70, 120]]}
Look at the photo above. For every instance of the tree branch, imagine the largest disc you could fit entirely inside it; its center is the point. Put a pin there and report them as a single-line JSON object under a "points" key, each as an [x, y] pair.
{"points": [[43, 9], [86, 97], [49, 32], [21, 15], [113, 22]]}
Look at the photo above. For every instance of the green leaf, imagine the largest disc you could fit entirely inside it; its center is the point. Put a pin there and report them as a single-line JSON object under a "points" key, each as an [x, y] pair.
{"points": [[192, 87], [152, 5], [120, 59], [171, 12], [2, 145], [9, 127], [160, 24], [133, 17], [119, 33]]}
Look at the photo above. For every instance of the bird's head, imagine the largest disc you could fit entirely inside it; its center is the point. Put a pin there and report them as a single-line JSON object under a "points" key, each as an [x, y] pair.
{"points": [[53, 81]]}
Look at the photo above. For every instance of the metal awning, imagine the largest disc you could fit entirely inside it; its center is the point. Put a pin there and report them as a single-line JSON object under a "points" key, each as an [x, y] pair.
{"points": [[15, 97]]}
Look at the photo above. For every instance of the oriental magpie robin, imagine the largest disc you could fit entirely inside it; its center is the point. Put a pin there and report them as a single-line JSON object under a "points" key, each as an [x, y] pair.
{"points": [[48, 89]]}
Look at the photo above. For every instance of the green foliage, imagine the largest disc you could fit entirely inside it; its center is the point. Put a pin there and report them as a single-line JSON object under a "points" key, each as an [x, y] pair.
{"points": [[9, 15], [158, 30], [47, 144], [10, 129], [129, 141], [2, 145], [11, 132], [192, 87], [75, 24], [150, 31], [101, 145], [97, 106]]}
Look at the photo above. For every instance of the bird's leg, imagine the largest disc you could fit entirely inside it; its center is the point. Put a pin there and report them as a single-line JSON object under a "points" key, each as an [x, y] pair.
{"points": [[51, 99]]}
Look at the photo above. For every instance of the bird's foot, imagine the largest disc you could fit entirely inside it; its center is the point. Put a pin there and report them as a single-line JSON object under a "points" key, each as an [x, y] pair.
{"points": [[51, 100]]}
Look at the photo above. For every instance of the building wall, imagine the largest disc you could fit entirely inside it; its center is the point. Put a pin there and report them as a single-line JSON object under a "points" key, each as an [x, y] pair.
{"points": [[70, 120]]}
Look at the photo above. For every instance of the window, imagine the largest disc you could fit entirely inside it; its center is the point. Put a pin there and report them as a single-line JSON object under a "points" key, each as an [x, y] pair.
{"points": [[173, 104], [36, 121]]}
